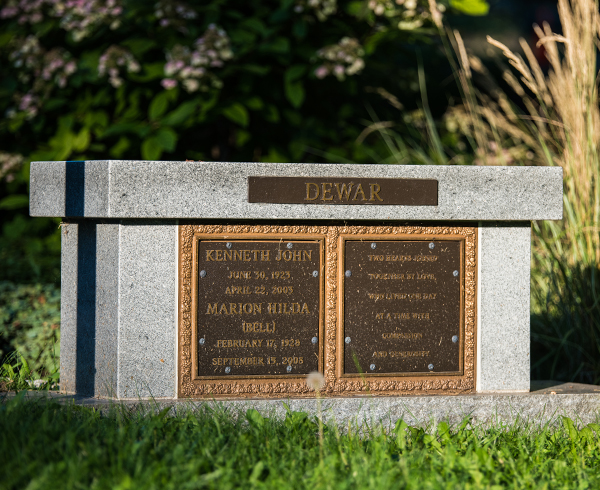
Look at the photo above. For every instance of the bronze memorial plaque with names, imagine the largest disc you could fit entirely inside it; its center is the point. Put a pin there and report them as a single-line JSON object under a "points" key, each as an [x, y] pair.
{"points": [[403, 306], [258, 307]]}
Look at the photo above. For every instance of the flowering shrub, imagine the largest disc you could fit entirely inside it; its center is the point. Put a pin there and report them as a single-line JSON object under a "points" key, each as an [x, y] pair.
{"points": [[113, 61], [341, 59], [82, 17], [320, 8], [193, 67], [79, 17], [40, 71], [26, 11], [194, 79], [174, 14], [408, 14], [8, 164], [246, 64]]}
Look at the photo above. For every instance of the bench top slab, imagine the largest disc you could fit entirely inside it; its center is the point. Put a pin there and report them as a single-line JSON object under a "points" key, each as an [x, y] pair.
{"points": [[219, 190]]}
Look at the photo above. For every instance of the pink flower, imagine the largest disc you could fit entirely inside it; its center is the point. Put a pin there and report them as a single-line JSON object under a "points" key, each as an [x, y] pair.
{"points": [[70, 67], [168, 83], [8, 12], [321, 72]]}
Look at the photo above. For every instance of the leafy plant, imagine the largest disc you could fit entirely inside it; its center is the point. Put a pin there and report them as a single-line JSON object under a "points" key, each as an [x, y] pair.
{"points": [[16, 375], [30, 324]]}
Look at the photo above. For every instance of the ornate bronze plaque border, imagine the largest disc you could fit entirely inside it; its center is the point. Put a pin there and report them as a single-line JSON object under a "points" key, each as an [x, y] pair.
{"points": [[332, 328]]}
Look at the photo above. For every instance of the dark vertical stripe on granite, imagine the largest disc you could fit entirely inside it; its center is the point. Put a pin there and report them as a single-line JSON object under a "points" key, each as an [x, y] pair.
{"points": [[86, 309], [74, 189]]}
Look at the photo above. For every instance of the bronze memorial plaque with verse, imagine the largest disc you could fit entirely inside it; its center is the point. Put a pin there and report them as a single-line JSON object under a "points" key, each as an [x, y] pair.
{"points": [[403, 306]]}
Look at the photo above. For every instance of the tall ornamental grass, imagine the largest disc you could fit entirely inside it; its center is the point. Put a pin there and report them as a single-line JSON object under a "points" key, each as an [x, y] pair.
{"points": [[559, 125], [534, 117]]}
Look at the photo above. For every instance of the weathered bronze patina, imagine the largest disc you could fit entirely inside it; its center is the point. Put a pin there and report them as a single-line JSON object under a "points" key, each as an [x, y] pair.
{"points": [[402, 306], [334, 190], [258, 307]]}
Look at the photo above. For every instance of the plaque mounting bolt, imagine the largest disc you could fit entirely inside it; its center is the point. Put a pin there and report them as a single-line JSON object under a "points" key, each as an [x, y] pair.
{"points": [[289, 369], [314, 340], [431, 245], [372, 367], [228, 244], [227, 369], [201, 341], [455, 338], [348, 273], [455, 273], [373, 245], [290, 245], [315, 273], [430, 367], [202, 273], [347, 340]]}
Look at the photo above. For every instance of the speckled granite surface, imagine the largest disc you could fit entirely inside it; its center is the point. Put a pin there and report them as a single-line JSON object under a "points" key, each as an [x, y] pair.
{"points": [[546, 403], [217, 190]]}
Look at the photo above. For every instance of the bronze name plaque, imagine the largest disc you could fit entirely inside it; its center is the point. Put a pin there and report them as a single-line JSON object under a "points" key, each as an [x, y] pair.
{"points": [[333, 190], [402, 306], [258, 307]]}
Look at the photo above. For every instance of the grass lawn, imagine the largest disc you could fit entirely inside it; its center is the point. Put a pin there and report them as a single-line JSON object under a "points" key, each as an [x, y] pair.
{"points": [[47, 445]]}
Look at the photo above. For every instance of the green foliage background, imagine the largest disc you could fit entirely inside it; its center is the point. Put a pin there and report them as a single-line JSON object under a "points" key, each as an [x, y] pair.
{"points": [[265, 103], [270, 107]]}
